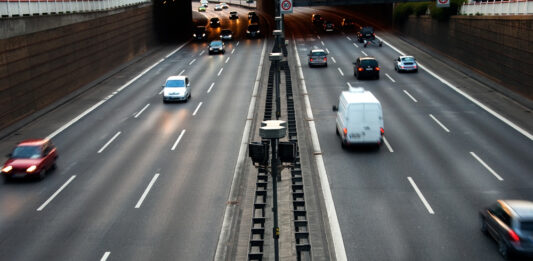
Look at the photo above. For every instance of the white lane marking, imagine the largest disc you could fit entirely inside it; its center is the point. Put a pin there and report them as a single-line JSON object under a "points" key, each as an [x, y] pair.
{"points": [[232, 51], [196, 110], [56, 193], [364, 53], [181, 72], [348, 37], [354, 44], [210, 87], [147, 190], [109, 142], [333, 58], [470, 98], [340, 71], [194, 60], [422, 198], [438, 122], [227, 59], [105, 256], [331, 213], [202, 52], [161, 91], [486, 166], [318, 36], [177, 49], [408, 94], [219, 72], [238, 43], [390, 77], [349, 85], [322, 42], [141, 111], [178, 140], [327, 50], [387, 144], [224, 239]]}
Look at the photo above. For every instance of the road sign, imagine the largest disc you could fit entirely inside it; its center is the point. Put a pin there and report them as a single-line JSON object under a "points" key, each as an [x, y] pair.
{"points": [[285, 6], [443, 3]]}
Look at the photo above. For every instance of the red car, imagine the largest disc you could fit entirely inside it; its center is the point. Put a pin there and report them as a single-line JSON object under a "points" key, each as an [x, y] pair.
{"points": [[31, 158]]}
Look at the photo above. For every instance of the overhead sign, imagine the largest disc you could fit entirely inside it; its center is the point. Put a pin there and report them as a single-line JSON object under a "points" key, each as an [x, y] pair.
{"points": [[285, 6], [443, 3]]}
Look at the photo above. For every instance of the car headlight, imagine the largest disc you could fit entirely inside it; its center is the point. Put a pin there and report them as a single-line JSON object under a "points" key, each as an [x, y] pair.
{"points": [[7, 169], [229, 35], [193, 35], [210, 48], [31, 169], [247, 31], [203, 34], [258, 31]]}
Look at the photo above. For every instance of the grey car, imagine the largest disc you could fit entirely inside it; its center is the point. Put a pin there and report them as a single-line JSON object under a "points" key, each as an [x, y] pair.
{"points": [[510, 223], [317, 57], [216, 47], [405, 63]]}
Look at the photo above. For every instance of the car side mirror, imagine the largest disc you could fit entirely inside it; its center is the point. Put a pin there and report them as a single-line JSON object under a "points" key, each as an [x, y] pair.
{"points": [[335, 108]]}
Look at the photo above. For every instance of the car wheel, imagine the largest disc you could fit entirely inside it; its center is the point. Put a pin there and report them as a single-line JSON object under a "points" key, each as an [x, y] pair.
{"points": [[6, 178], [377, 77], [326, 65], [337, 131], [503, 249], [42, 174], [54, 166], [484, 226]]}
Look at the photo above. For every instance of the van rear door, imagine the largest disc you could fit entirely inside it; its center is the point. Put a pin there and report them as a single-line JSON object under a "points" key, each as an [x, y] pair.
{"points": [[372, 122], [355, 122]]}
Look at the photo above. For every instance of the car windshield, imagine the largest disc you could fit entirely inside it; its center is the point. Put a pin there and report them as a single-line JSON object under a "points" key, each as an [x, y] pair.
{"points": [[200, 29], [408, 59], [367, 30], [175, 83], [26, 152], [215, 43], [318, 53], [225, 32], [526, 226], [253, 27], [214, 19], [369, 63]]}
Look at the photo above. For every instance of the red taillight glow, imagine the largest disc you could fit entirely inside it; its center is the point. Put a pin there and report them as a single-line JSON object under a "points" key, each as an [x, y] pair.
{"points": [[360, 69], [345, 131], [382, 131], [374, 34], [310, 59], [325, 59], [514, 237], [414, 66], [377, 68]]}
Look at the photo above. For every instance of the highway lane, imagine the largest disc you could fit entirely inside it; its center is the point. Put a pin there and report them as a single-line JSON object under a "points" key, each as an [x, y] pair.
{"points": [[382, 217], [137, 179]]}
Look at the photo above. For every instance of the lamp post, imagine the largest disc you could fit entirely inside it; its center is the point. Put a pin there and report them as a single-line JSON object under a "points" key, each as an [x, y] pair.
{"points": [[274, 130], [275, 58]]}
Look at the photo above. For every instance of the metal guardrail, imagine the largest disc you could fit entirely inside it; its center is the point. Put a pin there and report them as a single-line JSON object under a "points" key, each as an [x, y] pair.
{"points": [[17, 8], [513, 7]]}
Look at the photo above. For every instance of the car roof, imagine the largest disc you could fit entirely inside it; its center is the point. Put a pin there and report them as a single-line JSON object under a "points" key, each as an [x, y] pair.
{"points": [[176, 77], [317, 50], [519, 208], [33, 142], [406, 56], [367, 58], [359, 95]]}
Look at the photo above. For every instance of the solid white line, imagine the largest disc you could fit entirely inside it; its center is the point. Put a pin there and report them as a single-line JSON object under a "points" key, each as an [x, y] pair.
{"points": [[232, 51], [194, 60], [390, 77], [333, 58], [178, 140], [227, 60], [364, 53], [428, 207], [338, 243], [210, 87], [238, 43], [348, 37], [56, 193], [224, 236], [354, 44], [408, 94], [141, 111], [105, 256], [349, 85], [340, 71], [161, 92], [487, 166], [219, 72], [387, 144], [147, 190], [322, 42], [327, 50], [181, 72], [438, 122], [318, 36], [470, 98], [177, 49], [202, 52], [109, 142], [196, 110]]}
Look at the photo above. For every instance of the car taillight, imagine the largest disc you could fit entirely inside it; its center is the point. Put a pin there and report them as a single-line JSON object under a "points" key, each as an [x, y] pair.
{"points": [[345, 131], [514, 237], [360, 69], [7, 169], [414, 66], [310, 59], [31, 169], [373, 34], [382, 131], [325, 59], [377, 69]]}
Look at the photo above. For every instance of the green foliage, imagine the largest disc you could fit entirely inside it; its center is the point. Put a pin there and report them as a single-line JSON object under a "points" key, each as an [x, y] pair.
{"points": [[403, 10]]}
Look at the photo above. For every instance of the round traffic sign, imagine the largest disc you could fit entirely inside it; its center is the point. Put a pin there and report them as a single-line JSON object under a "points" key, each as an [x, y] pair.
{"points": [[443, 1], [286, 5]]}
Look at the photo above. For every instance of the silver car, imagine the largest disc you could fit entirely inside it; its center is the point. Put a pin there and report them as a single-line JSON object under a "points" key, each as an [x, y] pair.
{"points": [[218, 7], [176, 88], [405, 63], [317, 57]]}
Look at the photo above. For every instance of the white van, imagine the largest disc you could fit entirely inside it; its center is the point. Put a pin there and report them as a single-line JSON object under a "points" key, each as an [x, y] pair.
{"points": [[177, 88], [359, 118]]}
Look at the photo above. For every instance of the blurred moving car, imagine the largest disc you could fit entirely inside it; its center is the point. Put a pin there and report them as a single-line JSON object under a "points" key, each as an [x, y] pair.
{"points": [[317, 19], [224, 5], [226, 35], [30, 158], [199, 33], [218, 7], [177, 88], [216, 47], [329, 26], [366, 67], [251, 14], [317, 57], [253, 31], [366, 33], [233, 15], [201, 8], [254, 19], [405, 63], [347, 23], [214, 22], [510, 223]]}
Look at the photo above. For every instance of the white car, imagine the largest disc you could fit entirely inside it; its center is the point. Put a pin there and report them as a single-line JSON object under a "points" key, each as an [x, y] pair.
{"points": [[224, 5], [218, 7], [177, 88], [406, 64]]}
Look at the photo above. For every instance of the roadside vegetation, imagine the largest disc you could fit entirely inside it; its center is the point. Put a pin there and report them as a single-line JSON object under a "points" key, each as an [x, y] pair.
{"points": [[402, 11]]}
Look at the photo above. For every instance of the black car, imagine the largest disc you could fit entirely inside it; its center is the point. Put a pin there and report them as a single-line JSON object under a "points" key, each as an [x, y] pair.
{"points": [[253, 31], [510, 223], [347, 23], [214, 22], [251, 14], [329, 26], [317, 19], [199, 33], [253, 20], [366, 67], [233, 15], [366, 33]]}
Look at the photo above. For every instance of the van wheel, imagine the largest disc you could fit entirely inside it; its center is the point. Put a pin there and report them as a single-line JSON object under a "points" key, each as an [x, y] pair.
{"points": [[484, 226], [503, 249], [337, 131]]}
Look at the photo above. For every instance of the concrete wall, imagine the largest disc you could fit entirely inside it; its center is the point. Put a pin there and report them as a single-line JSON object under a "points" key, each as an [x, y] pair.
{"points": [[40, 68], [500, 47]]}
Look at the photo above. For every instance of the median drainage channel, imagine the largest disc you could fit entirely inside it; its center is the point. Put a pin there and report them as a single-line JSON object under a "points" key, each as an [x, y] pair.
{"points": [[262, 205]]}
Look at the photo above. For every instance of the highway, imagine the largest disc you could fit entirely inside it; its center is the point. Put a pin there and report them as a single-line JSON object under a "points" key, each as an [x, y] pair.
{"points": [[444, 157], [137, 179]]}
